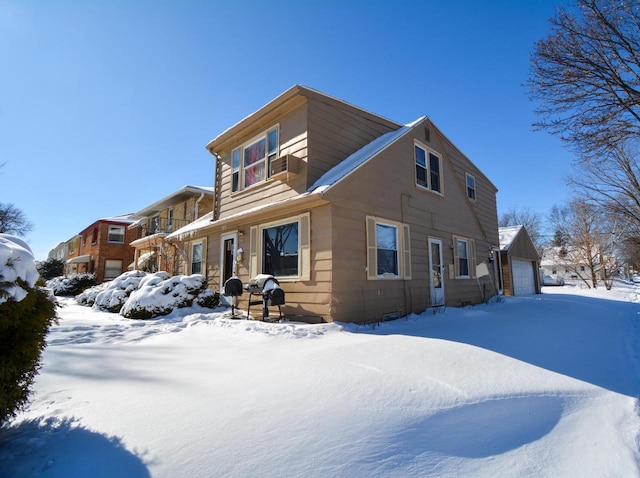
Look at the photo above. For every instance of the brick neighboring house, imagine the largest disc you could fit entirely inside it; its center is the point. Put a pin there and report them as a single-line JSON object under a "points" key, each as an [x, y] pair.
{"points": [[102, 248]]}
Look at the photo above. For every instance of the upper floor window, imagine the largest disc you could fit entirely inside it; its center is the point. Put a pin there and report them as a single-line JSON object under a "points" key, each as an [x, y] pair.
{"points": [[116, 234], [170, 220], [250, 164], [471, 187], [428, 169], [94, 237]]}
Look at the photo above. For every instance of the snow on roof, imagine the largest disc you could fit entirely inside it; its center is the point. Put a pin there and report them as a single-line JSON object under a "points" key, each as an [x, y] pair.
{"points": [[128, 218], [357, 159], [207, 219], [507, 236]]}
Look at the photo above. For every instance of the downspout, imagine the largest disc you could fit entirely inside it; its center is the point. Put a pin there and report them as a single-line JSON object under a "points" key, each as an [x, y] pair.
{"points": [[195, 208]]}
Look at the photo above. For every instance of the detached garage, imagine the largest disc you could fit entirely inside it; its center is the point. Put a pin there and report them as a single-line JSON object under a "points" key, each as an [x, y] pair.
{"points": [[519, 262]]}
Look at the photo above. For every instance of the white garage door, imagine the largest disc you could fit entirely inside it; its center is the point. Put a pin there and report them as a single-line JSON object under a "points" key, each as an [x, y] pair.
{"points": [[523, 277]]}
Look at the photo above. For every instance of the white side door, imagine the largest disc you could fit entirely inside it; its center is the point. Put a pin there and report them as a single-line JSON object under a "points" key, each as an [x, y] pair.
{"points": [[228, 252]]}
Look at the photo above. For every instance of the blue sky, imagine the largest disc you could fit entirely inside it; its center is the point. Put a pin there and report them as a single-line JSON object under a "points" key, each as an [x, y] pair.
{"points": [[106, 107]]}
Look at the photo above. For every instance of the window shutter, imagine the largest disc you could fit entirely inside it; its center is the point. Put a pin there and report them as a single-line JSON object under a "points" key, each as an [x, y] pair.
{"points": [[456, 262], [203, 269], [472, 258], [406, 251], [253, 251], [305, 248], [372, 249]]}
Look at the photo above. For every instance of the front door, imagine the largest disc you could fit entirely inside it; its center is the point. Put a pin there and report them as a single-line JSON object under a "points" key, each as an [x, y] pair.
{"points": [[436, 283], [228, 257]]}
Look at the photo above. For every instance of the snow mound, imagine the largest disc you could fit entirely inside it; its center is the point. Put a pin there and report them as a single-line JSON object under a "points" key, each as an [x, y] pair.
{"points": [[17, 264]]}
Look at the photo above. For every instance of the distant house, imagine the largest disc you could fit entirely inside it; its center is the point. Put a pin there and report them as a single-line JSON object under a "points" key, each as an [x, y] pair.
{"points": [[359, 217], [519, 260], [558, 263], [154, 222], [59, 252], [102, 248]]}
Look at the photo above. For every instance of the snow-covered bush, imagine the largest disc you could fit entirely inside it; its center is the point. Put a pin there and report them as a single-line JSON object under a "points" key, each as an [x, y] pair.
{"points": [[73, 284], [112, 295], [26, 313], [159, 295], [208, 298], [18, 271]]}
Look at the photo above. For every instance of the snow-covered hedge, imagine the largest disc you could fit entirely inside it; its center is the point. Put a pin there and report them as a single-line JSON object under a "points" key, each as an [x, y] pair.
{"points": [[73, 284], [112, 295], [26, 313], [139, 295], [159, 295]]}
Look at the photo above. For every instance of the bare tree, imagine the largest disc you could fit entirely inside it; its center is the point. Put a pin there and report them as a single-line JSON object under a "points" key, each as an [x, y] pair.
{"points": [[532, 222], [612, 181], [592, 240], [586, 75], [13, 220]]}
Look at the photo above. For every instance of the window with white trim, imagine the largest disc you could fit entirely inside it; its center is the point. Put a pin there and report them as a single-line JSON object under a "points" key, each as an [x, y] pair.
{"points": [[112, 268], [281, 248], [428, 168], [388, 249], [251, 162], [471, 187], [116, 234], [464, 257], [196, 258]]}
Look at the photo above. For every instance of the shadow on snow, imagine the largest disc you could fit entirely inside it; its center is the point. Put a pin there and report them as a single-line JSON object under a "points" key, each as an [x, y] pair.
{"points": [[62, 448]]}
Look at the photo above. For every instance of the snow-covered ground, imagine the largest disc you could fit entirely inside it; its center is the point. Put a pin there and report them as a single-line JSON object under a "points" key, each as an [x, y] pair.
{"points": [[543, 386]]}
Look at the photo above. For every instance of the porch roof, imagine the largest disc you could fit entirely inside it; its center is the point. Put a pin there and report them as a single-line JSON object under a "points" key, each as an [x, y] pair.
{"points": [[79, 259]]}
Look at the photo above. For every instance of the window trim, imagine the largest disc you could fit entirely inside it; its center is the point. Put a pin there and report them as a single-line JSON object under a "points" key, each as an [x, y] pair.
{"points": [[240, 169], [256, 246], [428, 152], [468, 176], [403, 243], [106, 268], [192, 245], [122, 228], [471, 257]]}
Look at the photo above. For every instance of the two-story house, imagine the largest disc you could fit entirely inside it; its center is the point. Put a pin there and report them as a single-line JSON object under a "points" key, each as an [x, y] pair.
{"points": [[359, 217], [154, 222], [101, 248]]}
